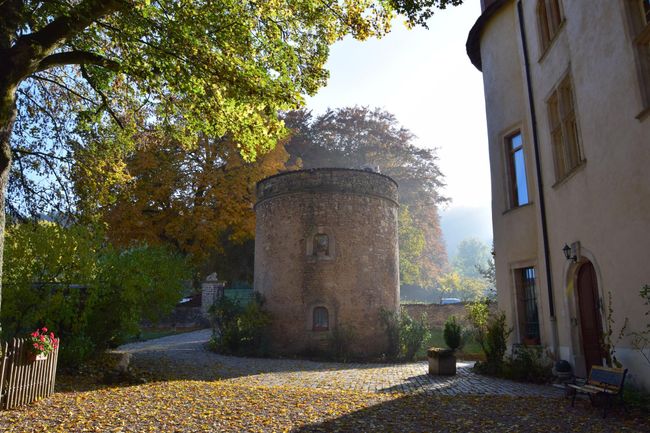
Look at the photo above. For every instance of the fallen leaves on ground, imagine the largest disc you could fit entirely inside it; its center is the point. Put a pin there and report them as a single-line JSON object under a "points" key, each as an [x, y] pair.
{"points": [[202, 406]]}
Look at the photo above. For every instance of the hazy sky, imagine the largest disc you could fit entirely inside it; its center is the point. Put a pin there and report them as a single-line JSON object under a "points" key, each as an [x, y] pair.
{"points": [[425, 78]]}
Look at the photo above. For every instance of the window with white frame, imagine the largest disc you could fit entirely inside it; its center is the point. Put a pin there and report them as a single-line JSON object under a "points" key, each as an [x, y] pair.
{"points": [[518, 182]]}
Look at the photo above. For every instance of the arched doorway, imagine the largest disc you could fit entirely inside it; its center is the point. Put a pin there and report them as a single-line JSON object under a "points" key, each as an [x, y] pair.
{"points": [[590, 317]]}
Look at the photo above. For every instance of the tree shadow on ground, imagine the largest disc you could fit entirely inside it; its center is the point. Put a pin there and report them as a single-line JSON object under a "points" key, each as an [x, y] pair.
{"points": [[471, 413], [425, 382], [172, 358]]}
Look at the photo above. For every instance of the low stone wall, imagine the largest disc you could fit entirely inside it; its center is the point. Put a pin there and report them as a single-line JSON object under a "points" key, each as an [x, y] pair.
{"points": [[437, 314]]}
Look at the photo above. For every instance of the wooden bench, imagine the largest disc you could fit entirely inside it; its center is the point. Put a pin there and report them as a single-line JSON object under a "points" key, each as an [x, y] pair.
{"points": [[603, 381]]}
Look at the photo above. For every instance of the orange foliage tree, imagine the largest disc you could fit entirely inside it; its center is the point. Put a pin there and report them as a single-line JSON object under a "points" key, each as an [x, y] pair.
{"points": [[193, 200]]}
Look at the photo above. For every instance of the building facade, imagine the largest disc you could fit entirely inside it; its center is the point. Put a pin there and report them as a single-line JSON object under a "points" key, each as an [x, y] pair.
{"points": [[567, 94], [326, 259]]}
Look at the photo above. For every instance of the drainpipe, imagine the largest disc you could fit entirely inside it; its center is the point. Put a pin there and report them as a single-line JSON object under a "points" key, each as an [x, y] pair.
{"points": [[540, 185]]}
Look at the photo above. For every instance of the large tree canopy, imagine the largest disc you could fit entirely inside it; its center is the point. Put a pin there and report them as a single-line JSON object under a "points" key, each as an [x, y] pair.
{"points": [[89, 74], [355, 137]]}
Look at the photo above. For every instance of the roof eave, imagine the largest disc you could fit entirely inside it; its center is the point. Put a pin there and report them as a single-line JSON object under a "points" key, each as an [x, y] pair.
{"points": [[473, 44]]}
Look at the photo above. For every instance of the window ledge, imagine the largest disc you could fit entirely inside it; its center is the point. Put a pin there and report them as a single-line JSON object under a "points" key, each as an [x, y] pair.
{"points": [[512, 209], [551, 42], [564, 179]]}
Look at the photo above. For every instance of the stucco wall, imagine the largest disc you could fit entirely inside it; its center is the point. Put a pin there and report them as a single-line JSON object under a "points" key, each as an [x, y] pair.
{"points": [[357, 210], [605, 203]]}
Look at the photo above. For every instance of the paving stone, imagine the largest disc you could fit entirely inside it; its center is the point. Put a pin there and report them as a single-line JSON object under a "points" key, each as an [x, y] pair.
{"points": [[185, 356]]}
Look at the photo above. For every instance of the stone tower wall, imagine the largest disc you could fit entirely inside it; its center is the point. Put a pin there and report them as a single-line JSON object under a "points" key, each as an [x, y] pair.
{"points": [[353, 276]]}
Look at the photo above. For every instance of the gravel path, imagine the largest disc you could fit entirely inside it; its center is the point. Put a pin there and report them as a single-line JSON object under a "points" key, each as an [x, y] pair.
{"points": [[184, 356]]}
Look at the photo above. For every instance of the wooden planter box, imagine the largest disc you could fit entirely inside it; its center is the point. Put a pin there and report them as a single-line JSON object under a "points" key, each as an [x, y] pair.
{"points": [[442, 362]]}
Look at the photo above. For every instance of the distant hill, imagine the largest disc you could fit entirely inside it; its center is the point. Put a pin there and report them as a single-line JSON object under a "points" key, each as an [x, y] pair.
{"points": [[460, 223]]}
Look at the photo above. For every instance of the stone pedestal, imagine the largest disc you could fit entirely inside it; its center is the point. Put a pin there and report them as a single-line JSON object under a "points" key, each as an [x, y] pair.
{"points": [[211, 290], [442, 362]]}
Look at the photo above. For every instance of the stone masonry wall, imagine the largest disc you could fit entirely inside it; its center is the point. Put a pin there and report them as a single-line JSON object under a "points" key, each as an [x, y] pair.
{"points": [[353, 279]]}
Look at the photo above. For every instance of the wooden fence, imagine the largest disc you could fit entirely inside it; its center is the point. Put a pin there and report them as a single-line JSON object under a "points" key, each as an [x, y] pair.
{"points": [[22, 379]]}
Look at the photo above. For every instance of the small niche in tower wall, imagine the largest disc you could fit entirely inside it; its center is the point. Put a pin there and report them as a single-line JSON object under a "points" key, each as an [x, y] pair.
{"points": [[321, 245]]}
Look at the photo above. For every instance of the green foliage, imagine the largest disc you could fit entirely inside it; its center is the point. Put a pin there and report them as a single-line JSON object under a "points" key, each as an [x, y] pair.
{"points": [[489, 274], [390, 322], [640, 340], [471, 256], [453, 333], [453, 284], [636, 398], [90, 294], [491, 332], [405, 335], [104, 71], [237, 329], [528, 364], [413, 334], [411, 246], [141, 282], [478, 314]]}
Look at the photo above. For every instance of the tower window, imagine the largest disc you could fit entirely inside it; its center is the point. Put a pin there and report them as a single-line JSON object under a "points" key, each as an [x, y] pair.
{"points": [[321, 319]]}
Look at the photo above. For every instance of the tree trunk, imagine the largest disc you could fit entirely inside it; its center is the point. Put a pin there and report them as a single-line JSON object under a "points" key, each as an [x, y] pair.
{"points": [[7, 119]]}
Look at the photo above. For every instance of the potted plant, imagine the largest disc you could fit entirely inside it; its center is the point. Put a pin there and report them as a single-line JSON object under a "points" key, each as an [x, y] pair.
{"points": [[443, 361], [41, 344]]}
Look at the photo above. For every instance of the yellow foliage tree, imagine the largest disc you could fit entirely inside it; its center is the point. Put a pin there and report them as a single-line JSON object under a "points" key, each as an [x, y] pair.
{"points": [[191, 199]]}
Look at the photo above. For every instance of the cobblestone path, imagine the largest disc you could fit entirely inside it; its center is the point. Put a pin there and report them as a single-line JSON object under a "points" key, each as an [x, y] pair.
{"points": [[184, 356]]}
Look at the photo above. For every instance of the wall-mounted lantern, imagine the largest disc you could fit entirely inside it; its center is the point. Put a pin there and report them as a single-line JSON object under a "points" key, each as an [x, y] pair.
{"points": [[568, 253]]}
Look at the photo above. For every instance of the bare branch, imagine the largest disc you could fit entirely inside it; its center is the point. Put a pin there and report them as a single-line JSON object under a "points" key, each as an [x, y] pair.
{"points": [[63, 86]]}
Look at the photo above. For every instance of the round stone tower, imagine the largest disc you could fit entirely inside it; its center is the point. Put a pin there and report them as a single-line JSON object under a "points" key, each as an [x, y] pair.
{"points": [[326, 258]]}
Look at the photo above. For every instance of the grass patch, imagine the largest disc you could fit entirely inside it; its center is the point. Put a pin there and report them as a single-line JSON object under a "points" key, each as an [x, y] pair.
{"points": [[471, 352]]}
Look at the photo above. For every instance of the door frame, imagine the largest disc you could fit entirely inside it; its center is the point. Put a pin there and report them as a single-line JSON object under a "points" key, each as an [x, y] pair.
{"points": [[572, 307]]}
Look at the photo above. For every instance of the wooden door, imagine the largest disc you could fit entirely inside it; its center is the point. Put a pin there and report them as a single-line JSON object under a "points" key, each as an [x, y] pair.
{"points": [[590, 318]]}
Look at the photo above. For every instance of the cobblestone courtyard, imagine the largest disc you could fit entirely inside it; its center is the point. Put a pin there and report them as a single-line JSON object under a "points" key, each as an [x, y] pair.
{"points": [[200, 391], [184, 356]]}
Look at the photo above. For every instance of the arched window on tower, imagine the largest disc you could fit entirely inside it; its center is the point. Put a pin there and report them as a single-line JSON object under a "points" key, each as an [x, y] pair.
{"points": [[321, 319]]}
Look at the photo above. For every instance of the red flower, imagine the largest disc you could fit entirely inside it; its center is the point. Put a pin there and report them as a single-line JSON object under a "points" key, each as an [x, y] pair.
{"points": [[41, 348], [44, 329], [36, 345], [52, 335], [35, 334], [42, 337]]}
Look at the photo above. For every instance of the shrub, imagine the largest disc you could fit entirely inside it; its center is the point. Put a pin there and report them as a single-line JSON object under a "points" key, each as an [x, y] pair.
{"points": [[413, 333], [237, 329], [528, 364], [91, 294], [492, 334], [390, 322], [405, 335], [453, 333]]}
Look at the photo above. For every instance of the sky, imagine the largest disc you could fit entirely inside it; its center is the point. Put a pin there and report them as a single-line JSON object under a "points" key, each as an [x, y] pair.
{"points": [[425, 78]]}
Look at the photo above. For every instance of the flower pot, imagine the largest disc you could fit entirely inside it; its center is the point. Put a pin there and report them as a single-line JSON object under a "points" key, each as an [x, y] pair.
{"points": [[441, 362]]}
